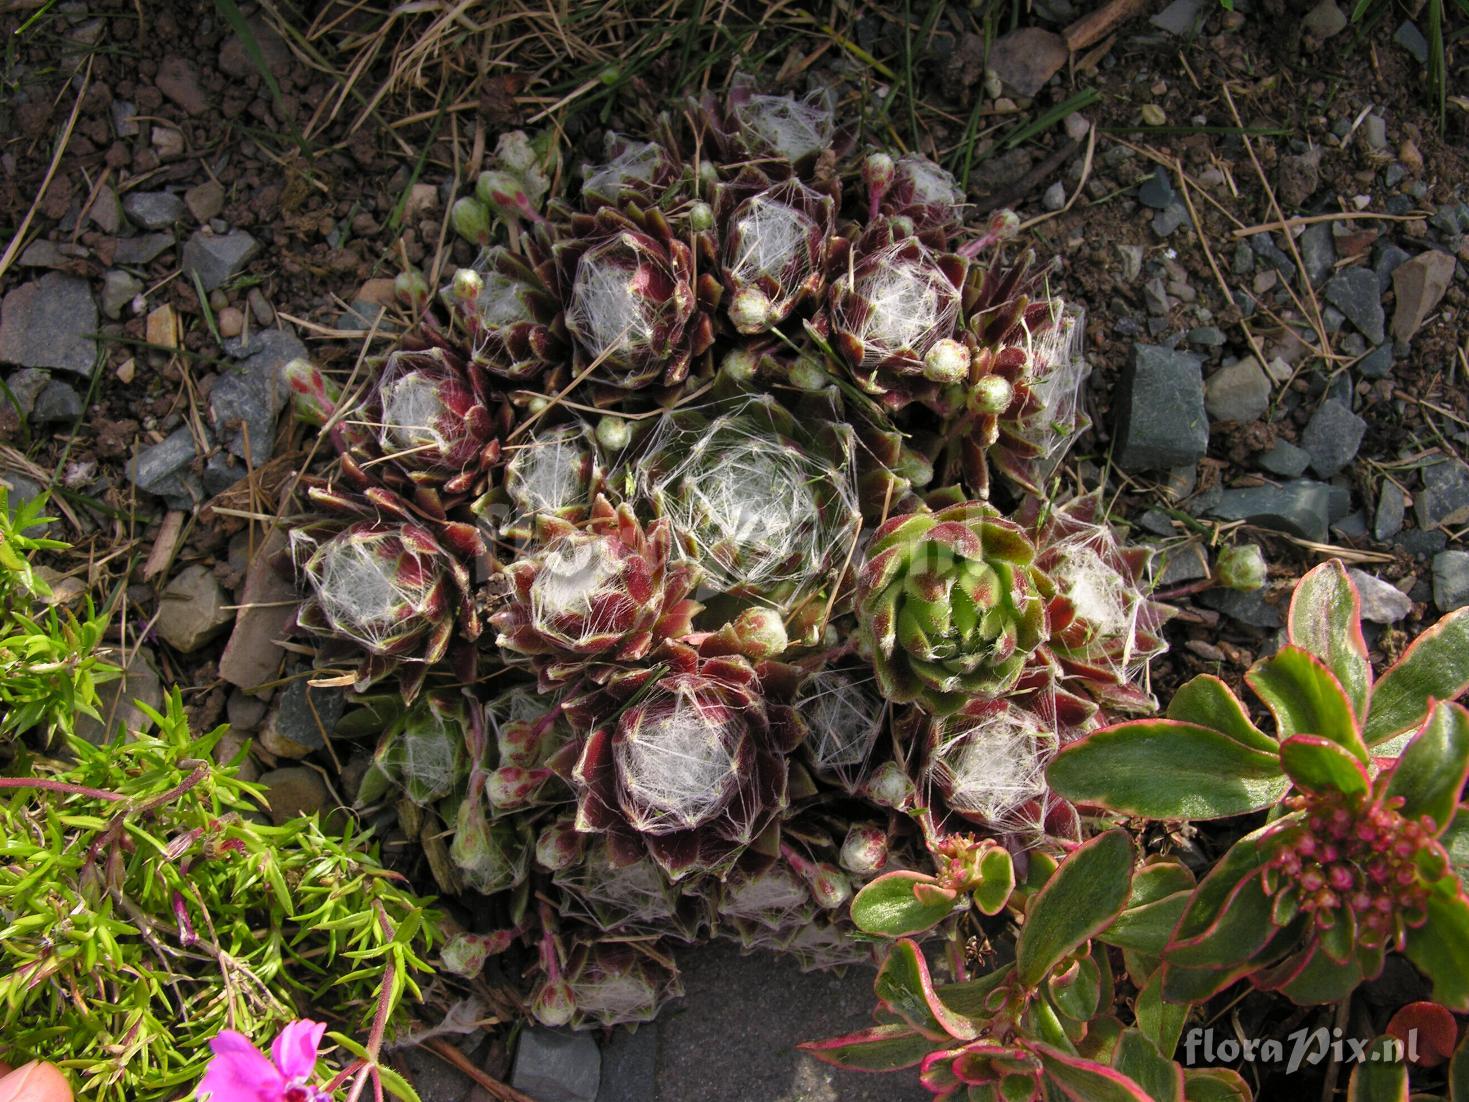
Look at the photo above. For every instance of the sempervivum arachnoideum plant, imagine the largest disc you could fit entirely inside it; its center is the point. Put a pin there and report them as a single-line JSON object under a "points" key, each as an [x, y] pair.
{"points": [[509, 321]]}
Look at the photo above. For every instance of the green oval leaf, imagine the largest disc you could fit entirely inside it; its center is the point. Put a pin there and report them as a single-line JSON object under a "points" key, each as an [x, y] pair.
{"points": [[996, 881], [1325, 619], [1148, 926], [1164, 769], [1440, 947], [1318, 765], [1085, 1080], [1430, 774], [1305, 698], [1162, 1021], [881, 1048], [888, 907], [1379, 1077], [1215, 1085], [1436, 666], [1083, 897], [1139, 1059], [904, 986], [1206, 701]]}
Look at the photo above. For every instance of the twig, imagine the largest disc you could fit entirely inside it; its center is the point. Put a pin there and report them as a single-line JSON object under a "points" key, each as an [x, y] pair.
{"points": [[1308, 219], [451, 1055]]}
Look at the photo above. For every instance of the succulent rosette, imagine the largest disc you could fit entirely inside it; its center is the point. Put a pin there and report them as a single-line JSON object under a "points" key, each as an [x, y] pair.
{"points": [[641, 172], [894, 315], [613, 983], [842, 717], [915, 188], [947, 605], [781, 132], [779, 242], [510, 319], [606, 591], [555, 472], [637, 307], [692, 768]]}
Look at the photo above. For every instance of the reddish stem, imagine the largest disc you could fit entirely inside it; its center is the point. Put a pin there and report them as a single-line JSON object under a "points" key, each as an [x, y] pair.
{"points": [[61, 786]]}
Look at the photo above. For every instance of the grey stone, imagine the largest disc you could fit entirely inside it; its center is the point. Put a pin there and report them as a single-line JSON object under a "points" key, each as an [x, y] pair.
{"points": [[178, 79], [1266, 249], [1356, 294], [1157, 522], [221, 471], [730, 1041], [106, 212], [1338, 500], [1422, 544], [58, 403], [191, 610], [1325, 20], [1352, 528], [1392, 507], [554, 1066], [153, 210], [243, 711], [1248, 608], [1298, 178], [1300, 507], [1445, 496], [1161, 421], [1418, 286], [50, 322], [1451, 580], [252, 656], [119, 288], [1206, 336], [292, 792], [123, 118], [1377, 364], [44, 253], [218, 258], [158, 468], [25, 387], [1410, 38], [248, 397], [1318, 251], [1025, 59], [142, 249], [1165, 222], [1184, 564], [1155, 297], [1374, 132], [1238, 392], [205, 200], [301, 719], [630, 1065], [1157, 190], [1386, 259], [116, 712], [1285, 460], [1182, 17], [360, 316], [1382, 602], [1054, 197], [1333, 436], [1132, 261]]}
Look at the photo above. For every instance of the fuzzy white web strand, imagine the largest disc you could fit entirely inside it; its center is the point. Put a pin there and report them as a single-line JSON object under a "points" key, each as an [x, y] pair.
{"points": [[572, 586], [638, 162], [1058, 369], [844, 720], [359, 591], [428, 761], [908, 306], [787, 126], [933, 185], [413, 413], [545, 474], [605, 308], [772, 235], [991, 770], [678, 763], [776, 897], [499, 301], [635, 895]]}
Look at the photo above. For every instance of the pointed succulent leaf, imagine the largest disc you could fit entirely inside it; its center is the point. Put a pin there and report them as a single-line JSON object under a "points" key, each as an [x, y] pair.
{"points": [[1320, 766], [1164, 769], [1435, 666], [1440, 946], [1206, 701], [1137, 1057], [1146, 927], [1241, 927], [889, 906], [1082, 1080], [1087, 892], [1215, 1085], [1306, 698], [881, 1048], [1378, 1077], [904, 986], [1430, 774], [1325, 619]]}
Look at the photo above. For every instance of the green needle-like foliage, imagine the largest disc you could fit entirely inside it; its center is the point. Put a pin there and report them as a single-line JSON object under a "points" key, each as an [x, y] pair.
{"points": [[145, 906]]}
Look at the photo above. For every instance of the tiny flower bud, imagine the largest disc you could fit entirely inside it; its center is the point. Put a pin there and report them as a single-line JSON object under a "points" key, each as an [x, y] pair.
{"points": [[947, 362], [501, 191], [554, 1004], [913, 466], [559, 846], [889, 786], [750, 310], [761, 633], [613, 433], [740, 364], [314, 397], [1240, 567], [701, 217], [878, 171], [807, 374], [411, 287], [991, 394], [467, 285], [865, 850], [471, 220]]}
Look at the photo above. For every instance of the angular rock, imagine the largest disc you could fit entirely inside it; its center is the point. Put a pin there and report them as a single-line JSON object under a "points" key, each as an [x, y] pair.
{"points": [[58, 403], [1185, 564], [44, 253], [1451, 580], [179, 81], [1300, 507], [205, 200], [1298, 178], [191, 610], [50, 322], [1445, 497], [1325, 20], [218, 258], [292, 792], [1238, 392], [25, 386], [1285, 460], [1332, 436], [301, 719], [248, 397], [552, 1066], [1157, 190], [116, 712], [143, 249], [1165, 222], [158, 468], [119, 288], [1355, 292], [1377, 364], [1161, 420], [1318, 250], [1410, 38], [1418, 285], [1392, 506], [1181, 18], [1026, 58], [1248, 607], [153, 210], [20, 490], [1382, 602], [252, 656]]}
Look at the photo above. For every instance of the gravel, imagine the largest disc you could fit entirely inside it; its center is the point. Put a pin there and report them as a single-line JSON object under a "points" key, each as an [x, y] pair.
{"points": [[1332, 436], [1451, 580], [1382, 602], [1357, 294], [1161, 420], [1238, 392], [218, 258], [50, 322], [192, 609], [1444, 499], [1300, 507]]}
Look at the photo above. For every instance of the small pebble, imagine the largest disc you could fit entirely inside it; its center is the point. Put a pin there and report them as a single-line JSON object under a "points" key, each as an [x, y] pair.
{"points": [[231, 321], [1054, 197], [1153, 115]]}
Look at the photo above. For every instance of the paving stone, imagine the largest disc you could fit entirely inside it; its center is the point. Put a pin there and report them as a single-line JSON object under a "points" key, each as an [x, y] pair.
{"points": [[153, 210], [1161, 420], [1332, 436], [1418, 285], [50, 322], [1300, 507], [218, 258], [1238, 392], [1451, 580], [1357, 294], [556, 1066], [1444, 499], [630, 1065], [192, 609], [1382, 602]]}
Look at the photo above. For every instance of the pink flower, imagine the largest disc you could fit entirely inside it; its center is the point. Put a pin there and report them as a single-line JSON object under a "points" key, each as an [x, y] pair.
{"points": [[240, 1073]]}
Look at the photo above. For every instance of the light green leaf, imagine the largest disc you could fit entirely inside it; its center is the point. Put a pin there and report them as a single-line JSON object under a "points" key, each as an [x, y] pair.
{"points": [[1435, 666], [1083, 897]]}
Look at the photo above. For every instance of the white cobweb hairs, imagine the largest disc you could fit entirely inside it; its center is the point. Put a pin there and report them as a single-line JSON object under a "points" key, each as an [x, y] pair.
{"points": [[620, 988], [501, 299], [548, 474], [576, 587], [1058, 368], [932, 183], [761, 516], [786, 126], [606, 310], [678, 756], [413, 413], [629, 899], [360, 590], [900, 306], [637, 162], [843, 718], [1081, 564], [772, 237], [429, 755], [992, 770], [774, 897]]}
